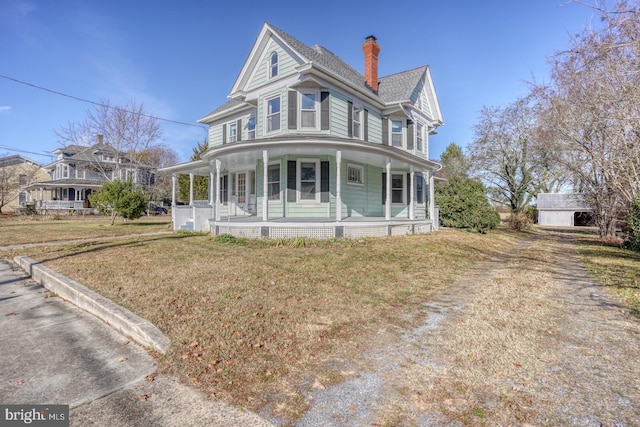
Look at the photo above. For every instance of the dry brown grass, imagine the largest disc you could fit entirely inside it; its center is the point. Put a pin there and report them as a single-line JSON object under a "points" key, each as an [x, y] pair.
{"points": [[248, 321], [616, 268], [36, 229]]}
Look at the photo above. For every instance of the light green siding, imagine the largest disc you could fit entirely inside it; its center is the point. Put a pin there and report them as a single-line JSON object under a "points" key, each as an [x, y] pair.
{"points": [[215, 135], [375, 127], [364, 200], [286, 65], [338, 114], [276, 208]]}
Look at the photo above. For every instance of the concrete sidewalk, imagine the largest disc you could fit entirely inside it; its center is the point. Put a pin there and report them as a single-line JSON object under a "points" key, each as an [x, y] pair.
{"points": [[55, 353]]}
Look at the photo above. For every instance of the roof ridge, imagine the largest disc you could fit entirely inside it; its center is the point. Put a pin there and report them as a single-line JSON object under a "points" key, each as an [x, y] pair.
{"points": [[405, 71]]}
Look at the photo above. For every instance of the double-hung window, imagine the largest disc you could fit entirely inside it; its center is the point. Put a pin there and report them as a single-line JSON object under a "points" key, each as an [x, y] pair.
{"points": [[273, 181], [396, 133], [233, 132], [251, 127], [419, 137], [420, 189], [357, 120], [308, 180], [273, 65], [308, 110], [273, 114], [397, 188]]}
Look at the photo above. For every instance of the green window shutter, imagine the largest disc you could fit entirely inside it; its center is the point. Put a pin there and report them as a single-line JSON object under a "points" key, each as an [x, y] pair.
{"points": [[385, 131], [224, 134], [365, 124], [350, 119], [324, 110], [408, 189], [293, 110], [239, 130], [225, 188], [324, 182], [384, 187], [410, 126], [291, 181]]}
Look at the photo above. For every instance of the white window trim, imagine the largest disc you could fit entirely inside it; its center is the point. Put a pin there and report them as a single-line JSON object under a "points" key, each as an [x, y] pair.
{"points": [[418, 124], [266, 115], [299, 181], [229, 126], [255, 126], [316, 107], [361, 168], [358, 111], [424, 190], [279, 199], [401, 133], [270, 66], [404, 188]]}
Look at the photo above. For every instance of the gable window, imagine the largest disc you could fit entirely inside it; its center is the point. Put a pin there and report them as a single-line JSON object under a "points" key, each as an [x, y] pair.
{"points": [[419, 137], [273, 114], [357, 120], [396, 133], [308, 180], [308, 110], [273, 65], [397, 188], [273, 181], [355, 174], [251, 127]]}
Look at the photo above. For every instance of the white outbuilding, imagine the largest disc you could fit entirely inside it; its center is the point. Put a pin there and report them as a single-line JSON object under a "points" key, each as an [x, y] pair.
{"points": [[563, 210]]}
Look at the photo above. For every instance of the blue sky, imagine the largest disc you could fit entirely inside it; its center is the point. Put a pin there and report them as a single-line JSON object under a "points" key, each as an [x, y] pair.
{"points": [[181, 58]]}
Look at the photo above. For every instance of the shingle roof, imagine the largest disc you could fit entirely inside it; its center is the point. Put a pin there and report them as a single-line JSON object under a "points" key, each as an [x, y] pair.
{"points": [[400, 86], [560, 201], [393, 88]]}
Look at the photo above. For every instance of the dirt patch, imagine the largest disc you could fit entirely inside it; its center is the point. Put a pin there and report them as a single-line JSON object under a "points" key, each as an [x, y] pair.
{"points": [[525, 339]]}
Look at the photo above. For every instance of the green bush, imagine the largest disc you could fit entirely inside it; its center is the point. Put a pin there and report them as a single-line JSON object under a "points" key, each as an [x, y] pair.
{"points": [[633, 231], [464, 204], [120, 198]]}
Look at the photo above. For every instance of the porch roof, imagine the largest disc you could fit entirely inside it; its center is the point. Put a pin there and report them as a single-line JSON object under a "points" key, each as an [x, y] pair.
{"points": [[246, 153], [84, 183]]}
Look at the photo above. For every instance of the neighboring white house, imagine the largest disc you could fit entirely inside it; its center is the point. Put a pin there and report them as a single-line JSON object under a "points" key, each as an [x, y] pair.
{"points": [[565, 210], [308, 146]]}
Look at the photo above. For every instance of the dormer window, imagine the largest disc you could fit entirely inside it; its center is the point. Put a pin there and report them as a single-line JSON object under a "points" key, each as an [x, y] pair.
{"points": [[273, 65]]}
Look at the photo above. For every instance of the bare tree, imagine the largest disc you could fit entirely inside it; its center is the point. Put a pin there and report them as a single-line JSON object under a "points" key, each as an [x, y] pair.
{"points": [[159, 156], [501, 153], [593, 111], [127, 131]]}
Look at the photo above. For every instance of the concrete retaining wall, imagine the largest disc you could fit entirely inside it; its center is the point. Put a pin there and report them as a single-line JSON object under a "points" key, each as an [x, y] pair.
{"points": [[124, 321]]}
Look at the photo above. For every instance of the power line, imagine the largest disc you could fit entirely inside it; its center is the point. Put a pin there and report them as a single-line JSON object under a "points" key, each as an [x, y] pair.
{"points": [[4, 147], [100, 104]]}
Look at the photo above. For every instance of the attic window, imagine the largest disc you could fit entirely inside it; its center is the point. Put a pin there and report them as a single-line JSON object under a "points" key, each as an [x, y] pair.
{"points": [[273, 65]]}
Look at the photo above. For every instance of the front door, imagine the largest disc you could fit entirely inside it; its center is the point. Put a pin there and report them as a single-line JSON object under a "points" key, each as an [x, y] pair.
{"points": [[245, 196]]}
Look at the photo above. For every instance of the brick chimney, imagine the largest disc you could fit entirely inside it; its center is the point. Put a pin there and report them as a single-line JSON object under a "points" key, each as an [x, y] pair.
{"points": [[371, 51], [99, 138]]}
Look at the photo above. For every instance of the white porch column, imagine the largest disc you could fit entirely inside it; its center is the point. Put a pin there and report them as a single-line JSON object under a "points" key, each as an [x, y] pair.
{"points": [[412, 194], [432, 203], [338, 185], [217, 208], [387, 210], [191, 189], [265, 185], [212, 197], [173, 190]]}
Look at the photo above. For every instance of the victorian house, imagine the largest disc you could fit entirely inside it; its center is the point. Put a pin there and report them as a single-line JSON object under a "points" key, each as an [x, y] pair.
{"points": [[308, 146]]}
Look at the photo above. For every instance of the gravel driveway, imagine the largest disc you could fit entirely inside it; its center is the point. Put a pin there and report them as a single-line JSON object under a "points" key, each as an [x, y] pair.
{"points": [[525, 339]]}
